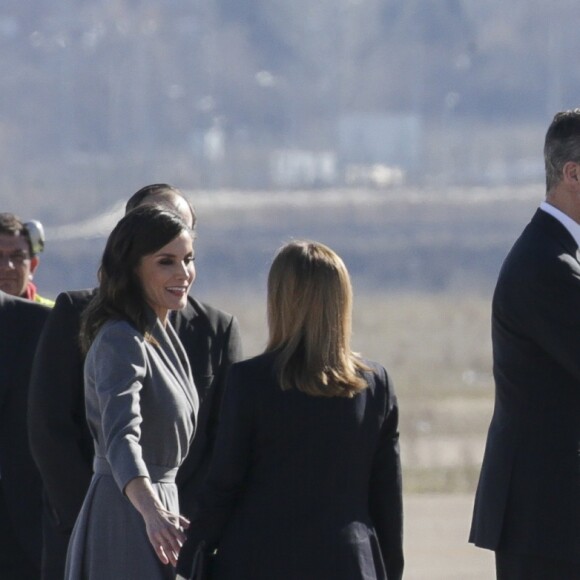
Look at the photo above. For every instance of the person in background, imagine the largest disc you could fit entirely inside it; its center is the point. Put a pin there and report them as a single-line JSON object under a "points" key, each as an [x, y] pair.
{"points": [[60, 440], [20, 245], [305, 480], [140, 401], [527, 506], [20, 486]]}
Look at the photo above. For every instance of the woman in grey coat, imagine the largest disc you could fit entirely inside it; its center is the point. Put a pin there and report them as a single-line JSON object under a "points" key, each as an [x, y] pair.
{"points": [[140, 401]]}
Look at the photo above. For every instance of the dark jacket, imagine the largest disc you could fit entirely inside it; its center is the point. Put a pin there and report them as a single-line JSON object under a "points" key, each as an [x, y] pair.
{"points": [[303, 487], [528, 498], [61, 443], [20, 326]]}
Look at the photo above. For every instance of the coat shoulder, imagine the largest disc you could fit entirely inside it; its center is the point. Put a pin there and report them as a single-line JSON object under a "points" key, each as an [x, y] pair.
{"points": [[376, 373], [200, 310], [75, 299], [258, 370], [259, 364], [22, 311], [118, 329]]}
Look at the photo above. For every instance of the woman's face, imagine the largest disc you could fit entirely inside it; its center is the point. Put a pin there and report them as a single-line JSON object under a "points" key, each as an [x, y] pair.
{"points": [[167, 275]]}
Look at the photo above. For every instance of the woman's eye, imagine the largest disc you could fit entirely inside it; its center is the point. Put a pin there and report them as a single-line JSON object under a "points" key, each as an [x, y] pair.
{"points": [[166, 262]]}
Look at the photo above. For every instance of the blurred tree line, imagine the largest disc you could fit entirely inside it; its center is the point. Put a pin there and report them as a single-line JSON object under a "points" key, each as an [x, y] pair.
{"points": [[99, 95]]}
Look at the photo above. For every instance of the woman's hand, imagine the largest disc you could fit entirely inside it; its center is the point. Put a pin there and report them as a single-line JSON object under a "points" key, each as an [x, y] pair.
{"points": [[164, 529]]}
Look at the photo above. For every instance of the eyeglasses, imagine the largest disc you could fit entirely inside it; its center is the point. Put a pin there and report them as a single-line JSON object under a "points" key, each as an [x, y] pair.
{"points": [[14, 259]]}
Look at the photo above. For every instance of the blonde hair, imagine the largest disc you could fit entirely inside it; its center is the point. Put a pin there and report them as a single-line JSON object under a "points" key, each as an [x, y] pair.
{"points": [[310, 321]]}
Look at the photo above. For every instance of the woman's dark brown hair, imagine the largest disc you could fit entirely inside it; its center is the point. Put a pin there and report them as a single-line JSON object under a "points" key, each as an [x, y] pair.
{"points": [[143, 231]]}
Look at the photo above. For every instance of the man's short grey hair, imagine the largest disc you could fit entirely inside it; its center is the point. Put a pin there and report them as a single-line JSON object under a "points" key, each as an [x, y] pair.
{"points": [[562, 144]]}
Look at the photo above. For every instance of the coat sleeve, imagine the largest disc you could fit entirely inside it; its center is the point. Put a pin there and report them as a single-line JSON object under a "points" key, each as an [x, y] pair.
{"points": [[385, 494], [116, 369], [539, 306], [59, 437], [230, 462]]}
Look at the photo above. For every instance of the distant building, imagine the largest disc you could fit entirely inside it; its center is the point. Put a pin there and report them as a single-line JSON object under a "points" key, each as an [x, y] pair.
{"points": [[377, 175], [378, 140], [302, 168]]}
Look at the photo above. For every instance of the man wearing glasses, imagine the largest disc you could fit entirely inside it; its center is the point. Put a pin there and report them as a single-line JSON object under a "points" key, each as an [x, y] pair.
{"points": [[20, 245]]}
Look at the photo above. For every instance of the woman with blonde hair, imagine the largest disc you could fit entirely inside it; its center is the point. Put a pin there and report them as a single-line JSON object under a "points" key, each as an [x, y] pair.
{"points": [[305, 481]]}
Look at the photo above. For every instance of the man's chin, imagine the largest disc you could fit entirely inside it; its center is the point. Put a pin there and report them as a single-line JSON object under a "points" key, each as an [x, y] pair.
{"points": [[9, 289]]}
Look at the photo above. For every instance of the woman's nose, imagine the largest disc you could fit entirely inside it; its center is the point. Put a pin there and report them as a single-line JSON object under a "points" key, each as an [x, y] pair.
{"points": [[185, 270]]}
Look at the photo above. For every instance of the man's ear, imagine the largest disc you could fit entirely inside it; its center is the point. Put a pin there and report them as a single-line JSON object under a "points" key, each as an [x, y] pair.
{"points": [[34, 261], [571, 171]]}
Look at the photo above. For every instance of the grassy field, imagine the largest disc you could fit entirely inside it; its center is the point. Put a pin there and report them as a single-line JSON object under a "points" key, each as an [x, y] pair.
{"points": [[423, 265], [437, 350]]}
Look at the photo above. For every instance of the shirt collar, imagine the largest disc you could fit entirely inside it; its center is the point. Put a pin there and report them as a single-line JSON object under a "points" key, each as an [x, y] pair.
{"points": [[571, 226]]}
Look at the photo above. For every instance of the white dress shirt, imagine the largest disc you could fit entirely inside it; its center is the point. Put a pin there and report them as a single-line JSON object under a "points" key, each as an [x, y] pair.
{"points": [[565, 220]]}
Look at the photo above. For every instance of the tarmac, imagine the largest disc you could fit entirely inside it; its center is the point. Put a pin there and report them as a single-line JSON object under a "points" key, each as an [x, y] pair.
{"points": [[436, 546]]}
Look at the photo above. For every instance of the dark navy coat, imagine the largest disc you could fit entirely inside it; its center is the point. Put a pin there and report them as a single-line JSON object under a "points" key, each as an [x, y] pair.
{"points": [[303, 487], [528, 498], [21, 322]]}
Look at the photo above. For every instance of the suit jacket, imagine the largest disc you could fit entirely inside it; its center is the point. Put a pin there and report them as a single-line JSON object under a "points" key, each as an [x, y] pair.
{"points": [[60, 440], [303, 487], [20, 325], [528, 497]]}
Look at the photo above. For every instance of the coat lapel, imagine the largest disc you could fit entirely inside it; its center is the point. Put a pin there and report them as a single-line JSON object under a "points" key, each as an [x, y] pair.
{"points": [[171, 351], [557, 231]]}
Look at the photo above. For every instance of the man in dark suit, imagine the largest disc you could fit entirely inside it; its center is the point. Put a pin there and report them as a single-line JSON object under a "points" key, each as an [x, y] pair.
{"points": [[61, 443], [527, 507], [20, 485]]}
